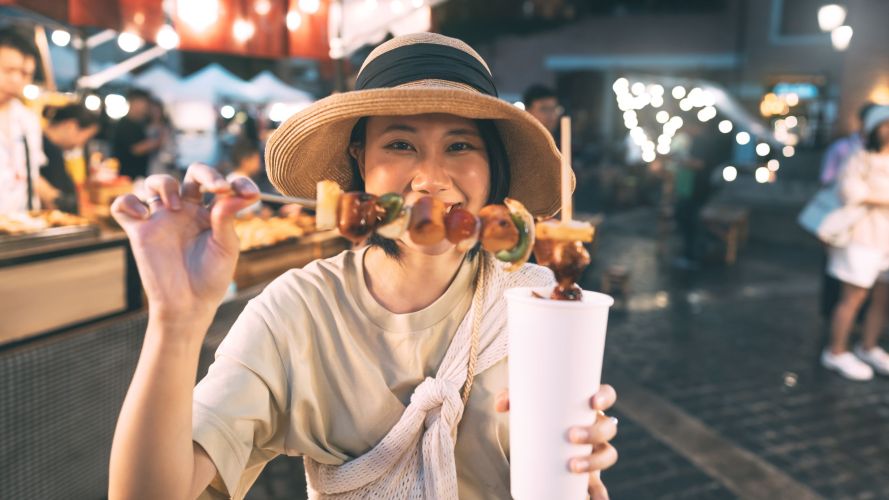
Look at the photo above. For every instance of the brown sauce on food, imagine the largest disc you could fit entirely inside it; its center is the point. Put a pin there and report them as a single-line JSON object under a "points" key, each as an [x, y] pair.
{"points": [[567, 260]]}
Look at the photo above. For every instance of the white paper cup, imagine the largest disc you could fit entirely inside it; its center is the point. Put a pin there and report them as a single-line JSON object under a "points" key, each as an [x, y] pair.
{"points": [[555, 365]]}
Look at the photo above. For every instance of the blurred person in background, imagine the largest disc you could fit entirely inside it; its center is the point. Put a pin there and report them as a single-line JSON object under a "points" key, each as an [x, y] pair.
{"points": [[21, 152], [67, 127], [131, 144], [835, 158], [163, 159], [840, 150], [244, 162], [692, 188], [863, 265], [543, 104]]}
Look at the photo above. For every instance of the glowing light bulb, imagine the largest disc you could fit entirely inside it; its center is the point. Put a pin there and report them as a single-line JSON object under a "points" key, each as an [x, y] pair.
{"points": [[621, 85], [92, 102], [729, 173], [763, 175], [61, 38], [129, 41], [198, 14], [309, 6], [167, 37], [243, 30], [31, 91], [293, 20], [262, 7]]}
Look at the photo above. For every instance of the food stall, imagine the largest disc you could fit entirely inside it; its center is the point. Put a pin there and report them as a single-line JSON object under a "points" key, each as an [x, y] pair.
{"points": [[62, 272], [58, 270], [73, 309]]}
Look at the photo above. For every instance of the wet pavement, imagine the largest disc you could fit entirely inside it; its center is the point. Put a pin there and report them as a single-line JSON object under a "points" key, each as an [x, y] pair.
{"points": [[735, 349], [721, 395]]}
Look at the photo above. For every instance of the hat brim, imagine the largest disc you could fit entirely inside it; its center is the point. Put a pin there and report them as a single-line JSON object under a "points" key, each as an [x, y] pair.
{"points": [[312, 145]]}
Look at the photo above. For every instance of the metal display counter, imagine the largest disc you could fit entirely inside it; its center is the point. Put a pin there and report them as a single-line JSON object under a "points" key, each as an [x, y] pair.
{"points": [[63, 277]]}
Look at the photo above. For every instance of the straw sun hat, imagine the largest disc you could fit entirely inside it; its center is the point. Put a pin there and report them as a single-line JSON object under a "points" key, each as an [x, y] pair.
{"points": [[411, 75]]}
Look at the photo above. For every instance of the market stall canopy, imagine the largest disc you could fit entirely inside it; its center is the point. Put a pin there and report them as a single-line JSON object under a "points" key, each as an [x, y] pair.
{"points": [[266, 87], [213, 83], [160, 81]]}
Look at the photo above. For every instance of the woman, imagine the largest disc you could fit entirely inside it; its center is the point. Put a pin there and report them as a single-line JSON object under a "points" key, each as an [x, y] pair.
{"points": [[67, 127], [366, 363], [863, 265]]}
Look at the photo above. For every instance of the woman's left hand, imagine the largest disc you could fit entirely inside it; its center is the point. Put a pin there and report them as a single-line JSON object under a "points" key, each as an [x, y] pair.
{"points": [[599, 434]]}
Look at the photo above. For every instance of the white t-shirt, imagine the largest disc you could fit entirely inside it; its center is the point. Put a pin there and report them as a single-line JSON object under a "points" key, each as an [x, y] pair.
{"points": [[315, 366], [19, 124]]}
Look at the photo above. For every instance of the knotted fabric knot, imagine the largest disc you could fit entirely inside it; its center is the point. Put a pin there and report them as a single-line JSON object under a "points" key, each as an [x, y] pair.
{"points": [[439, 398]]}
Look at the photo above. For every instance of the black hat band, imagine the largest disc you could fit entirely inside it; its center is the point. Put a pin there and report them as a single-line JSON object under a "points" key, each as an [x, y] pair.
{"points": [[425, 61]]}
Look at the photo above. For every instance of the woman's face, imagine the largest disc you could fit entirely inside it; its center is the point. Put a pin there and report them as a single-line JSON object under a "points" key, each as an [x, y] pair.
{"points": [[435, 155]]}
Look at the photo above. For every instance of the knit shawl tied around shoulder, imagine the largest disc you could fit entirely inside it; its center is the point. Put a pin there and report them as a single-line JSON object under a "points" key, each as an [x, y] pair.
{"points": [[416, 457]]}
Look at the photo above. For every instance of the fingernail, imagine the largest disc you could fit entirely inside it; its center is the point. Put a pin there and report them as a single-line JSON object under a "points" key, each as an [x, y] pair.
{"points": [[579, 434], [142, 211], [614, 420], [580, 465]]}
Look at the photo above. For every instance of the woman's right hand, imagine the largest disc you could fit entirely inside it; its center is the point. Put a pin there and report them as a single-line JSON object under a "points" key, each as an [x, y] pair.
{"points": [[186, 252]]}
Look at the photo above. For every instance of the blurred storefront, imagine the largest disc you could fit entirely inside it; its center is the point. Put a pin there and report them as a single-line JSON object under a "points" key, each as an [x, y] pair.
{"points": [[755, 49]]}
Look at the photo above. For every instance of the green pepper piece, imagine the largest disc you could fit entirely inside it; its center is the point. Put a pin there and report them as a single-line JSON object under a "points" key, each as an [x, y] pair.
{"points": [[391, 203], [515, 253]]}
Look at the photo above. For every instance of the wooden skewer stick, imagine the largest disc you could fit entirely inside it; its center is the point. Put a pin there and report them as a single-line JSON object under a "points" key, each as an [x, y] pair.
{"points": [[566, 170], [276, 198]]}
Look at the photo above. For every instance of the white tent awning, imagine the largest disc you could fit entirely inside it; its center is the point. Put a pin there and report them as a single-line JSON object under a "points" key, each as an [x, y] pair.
{"points": [[213, 83], [160, 81], [266, 87]]}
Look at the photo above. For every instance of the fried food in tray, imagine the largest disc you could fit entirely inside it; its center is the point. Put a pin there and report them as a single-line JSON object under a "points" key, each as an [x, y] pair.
{"points": [[257, 232], [34, 222]]}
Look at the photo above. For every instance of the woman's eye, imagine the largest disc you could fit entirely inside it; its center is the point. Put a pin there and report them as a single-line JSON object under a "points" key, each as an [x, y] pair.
{"points": [[400, 146], [461, 146]]}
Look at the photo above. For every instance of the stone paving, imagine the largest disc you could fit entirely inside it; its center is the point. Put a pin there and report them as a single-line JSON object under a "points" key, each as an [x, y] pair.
{"points": [[735, 349]]}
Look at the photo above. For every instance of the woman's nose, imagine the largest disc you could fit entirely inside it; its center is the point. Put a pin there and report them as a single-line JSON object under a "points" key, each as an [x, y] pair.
{"points": [[430, 176]]}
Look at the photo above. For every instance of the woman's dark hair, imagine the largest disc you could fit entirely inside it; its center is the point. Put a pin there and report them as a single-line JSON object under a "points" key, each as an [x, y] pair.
{"points": [[77, 112], [872, 142], [19, 41], [498, 164]]}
